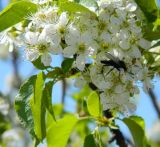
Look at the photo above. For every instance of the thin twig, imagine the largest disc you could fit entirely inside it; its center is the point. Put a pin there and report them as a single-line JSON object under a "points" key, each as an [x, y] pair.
{"points": [[64, 86], [154, 101], [15, 68], [118, 136]]}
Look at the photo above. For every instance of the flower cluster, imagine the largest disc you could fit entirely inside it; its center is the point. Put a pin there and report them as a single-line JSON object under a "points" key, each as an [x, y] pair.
{"points": [[119, 65], [121, 36], [112, 43]]}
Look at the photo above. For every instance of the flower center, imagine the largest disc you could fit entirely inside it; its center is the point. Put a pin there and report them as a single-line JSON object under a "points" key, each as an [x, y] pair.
{"points": [[81, 48], [61, 30], [104, 46], [42, 47], [102, 26]]}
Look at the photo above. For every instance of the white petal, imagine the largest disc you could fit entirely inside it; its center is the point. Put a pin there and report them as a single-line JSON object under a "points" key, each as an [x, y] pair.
{"points": [[113, 28], [104, 16], [145, 44], [131, 7], [72, 37], [54, 49], [49, 33], [69, 51], [131, 106], [31, 38], [106, 37], [119, 89], [32, 54], [86, 37], [4, 50], [115, 20], [63, 19], [124, 45], [135, 52], [46, 59], [80, 62]]}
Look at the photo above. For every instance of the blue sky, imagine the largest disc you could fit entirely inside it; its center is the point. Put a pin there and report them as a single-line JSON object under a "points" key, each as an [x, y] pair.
{"points": [[144, 107]]}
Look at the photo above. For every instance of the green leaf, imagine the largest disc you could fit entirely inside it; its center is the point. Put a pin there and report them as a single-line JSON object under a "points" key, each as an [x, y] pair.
{"points": [[47, 96], [151, 34], [39, 65], [89, 141], [157, 24], [38, 107], [22, 106], [137, 129], [15, 13], [73, 7], [55, 73], [58, 110], [149, 8], [88, 3], [67, 64], [84, 92], [93, 104], [58, 134]]}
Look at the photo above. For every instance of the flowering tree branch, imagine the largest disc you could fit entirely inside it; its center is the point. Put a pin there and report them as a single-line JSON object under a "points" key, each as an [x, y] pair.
{"points": [[118, 136]]}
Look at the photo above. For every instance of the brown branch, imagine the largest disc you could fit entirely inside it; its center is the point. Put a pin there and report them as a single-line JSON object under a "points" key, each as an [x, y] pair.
{"points": [[15, 68], [118, 136], [64, 86], [154, 101]]}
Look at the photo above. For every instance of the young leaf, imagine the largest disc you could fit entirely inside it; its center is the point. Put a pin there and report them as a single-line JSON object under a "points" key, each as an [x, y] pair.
{"points": [[15, 13], [58, 134], [38, 107], [67, 64], [58, 110], [137, 129], [22, 106], [47, 97], [56, 72], [39, 65], [93, 104], [73, 7], [89, 141]]}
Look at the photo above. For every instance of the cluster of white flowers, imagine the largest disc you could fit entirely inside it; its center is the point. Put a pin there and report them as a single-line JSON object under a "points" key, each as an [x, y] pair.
{"points": [[112, 42], [51, 32], [118, 64], [121, 36], [121, 43]]}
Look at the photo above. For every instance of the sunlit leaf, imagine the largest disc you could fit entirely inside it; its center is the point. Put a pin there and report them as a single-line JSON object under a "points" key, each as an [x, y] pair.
{"points": [[93, 104], [58, 134], [38, 107], [73, 7], [137, 129], [15, 13], [47, 97], [58, 109]]}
